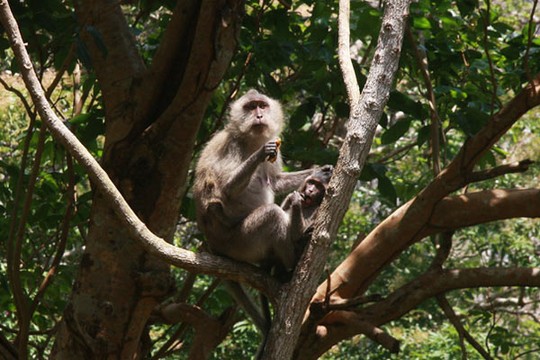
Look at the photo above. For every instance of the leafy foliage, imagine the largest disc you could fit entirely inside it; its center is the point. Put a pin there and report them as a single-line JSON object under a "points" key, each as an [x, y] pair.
{"points": [[477, 56]]}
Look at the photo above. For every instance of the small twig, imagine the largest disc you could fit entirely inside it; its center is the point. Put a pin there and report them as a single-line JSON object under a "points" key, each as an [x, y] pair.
{"points": [[24, 314], [515, 167], [451, 315], [494, 84], [64, 228], [19, 94], [529, 42], [422, 60], [376, 334], [395, 152], [350, 304], [443, 246]]}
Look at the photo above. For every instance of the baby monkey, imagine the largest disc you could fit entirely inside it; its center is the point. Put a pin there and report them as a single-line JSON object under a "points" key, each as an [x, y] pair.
{"points": [[301, 207]]}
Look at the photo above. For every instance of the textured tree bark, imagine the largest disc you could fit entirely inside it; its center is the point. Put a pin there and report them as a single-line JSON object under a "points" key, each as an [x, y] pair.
{"points": [[151, 125], [365, 113]]}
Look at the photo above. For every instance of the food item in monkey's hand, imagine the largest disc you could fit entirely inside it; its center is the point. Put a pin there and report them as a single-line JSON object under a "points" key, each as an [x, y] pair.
{"points": [[273, 159]]}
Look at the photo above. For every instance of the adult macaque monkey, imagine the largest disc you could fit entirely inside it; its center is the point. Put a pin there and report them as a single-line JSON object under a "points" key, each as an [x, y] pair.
{"points": [[237, 175]]}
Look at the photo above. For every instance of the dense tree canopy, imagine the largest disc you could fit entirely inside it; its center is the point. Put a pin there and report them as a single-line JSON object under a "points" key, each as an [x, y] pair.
{"points": [[428, 245]]}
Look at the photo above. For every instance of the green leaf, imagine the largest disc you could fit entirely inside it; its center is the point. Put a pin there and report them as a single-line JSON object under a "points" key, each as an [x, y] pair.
{"points": [[398, 101], [421, 23], [396, 131], [424, 134], [80, 119], [301, 115]]}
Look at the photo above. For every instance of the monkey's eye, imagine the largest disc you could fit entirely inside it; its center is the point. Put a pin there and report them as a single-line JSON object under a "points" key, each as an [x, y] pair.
{"points": [[252, 105]]}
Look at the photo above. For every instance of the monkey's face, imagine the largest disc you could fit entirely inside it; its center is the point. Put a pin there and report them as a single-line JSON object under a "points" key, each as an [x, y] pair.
{"points": [[257, 116], [312, 193], [257, 112]]}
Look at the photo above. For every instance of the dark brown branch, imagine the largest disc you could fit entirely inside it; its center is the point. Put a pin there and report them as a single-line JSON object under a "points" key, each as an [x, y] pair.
{"points": [[7, 350], [19, 94], [63, 237], [434, 283], [24, 314], [443, 245], [168, 347], [168, 63], [515, 167], [409, 296], [209, 331], [421, 60], [532, 26], [485, 28], [394, 152], [374, 333], [463, 333], [210, 54]]}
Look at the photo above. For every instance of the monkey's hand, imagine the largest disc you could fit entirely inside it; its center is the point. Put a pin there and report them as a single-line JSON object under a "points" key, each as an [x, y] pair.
{"points": [[271, 149], [296, 198]]}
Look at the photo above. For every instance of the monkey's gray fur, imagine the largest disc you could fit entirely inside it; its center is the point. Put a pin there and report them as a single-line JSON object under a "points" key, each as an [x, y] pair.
{"points": [[235, 185]]}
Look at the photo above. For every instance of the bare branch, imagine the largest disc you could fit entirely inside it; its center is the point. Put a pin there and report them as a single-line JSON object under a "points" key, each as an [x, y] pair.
{"points": [[515, 167], [422, 61], [409, 296], [443, 247], [439, 282], [532, 26], [480, 207], [374, 333], [19, 94], [463, 333], [209, 331], [344, 53]]}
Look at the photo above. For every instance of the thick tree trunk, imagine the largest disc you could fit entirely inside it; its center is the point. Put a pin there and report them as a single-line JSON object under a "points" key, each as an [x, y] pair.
{"points": [[149, 142], [117, 287]]}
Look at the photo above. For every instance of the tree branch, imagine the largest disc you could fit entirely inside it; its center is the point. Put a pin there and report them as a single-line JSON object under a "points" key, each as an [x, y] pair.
{"points": [[364, 116], [410, 222], [168, 64], [454, 212], [463, 333], [344, 53], [209, 331], [422, 61], [409, 296], [515, 167]]}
